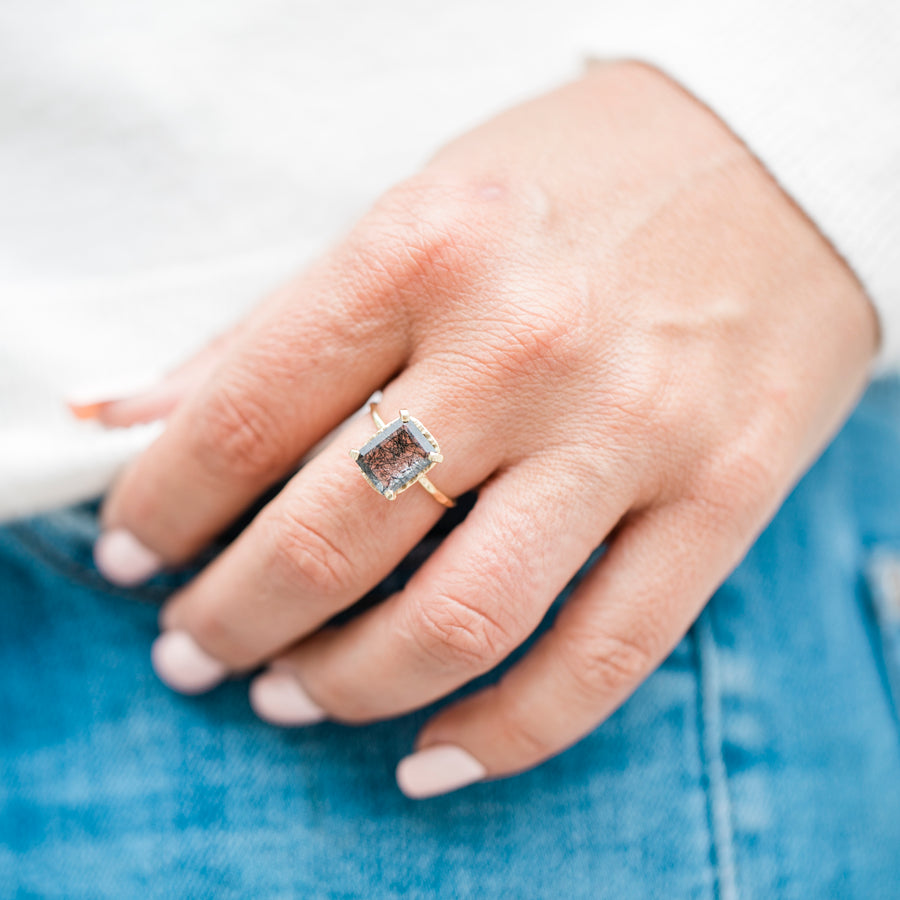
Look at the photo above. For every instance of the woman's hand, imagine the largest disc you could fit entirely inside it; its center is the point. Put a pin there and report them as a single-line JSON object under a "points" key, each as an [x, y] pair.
{"points": [[610, 317]]}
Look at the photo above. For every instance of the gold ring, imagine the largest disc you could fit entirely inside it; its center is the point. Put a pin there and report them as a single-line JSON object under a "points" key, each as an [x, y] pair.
{"points": [[398, 455]]}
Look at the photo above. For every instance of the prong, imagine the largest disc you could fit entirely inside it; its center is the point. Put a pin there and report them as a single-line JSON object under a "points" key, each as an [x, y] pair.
{"points": [[379, 422], [354, 454], [404, 415], [390, 495], [436, 457]]}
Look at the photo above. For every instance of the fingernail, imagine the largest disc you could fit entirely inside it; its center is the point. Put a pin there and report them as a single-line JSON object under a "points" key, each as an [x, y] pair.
{"points": [[122, 559], [89, 401], [85, 411], [437, 770], [183, 665], [278, 697]]}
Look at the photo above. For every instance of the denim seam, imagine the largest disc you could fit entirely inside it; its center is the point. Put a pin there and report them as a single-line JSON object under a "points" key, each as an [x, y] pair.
{"points": [[710, 732], [71, 569], [877, 620]]}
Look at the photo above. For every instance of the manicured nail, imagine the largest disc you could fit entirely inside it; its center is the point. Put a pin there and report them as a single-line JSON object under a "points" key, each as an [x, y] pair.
{"points": [[86, 399], [139, 404], [277, 697], [87, 410], [437, 770], [122, 559], [183, 665]]}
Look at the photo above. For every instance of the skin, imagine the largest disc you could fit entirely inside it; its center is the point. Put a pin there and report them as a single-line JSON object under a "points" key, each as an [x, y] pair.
{"points": [[614, 322]]}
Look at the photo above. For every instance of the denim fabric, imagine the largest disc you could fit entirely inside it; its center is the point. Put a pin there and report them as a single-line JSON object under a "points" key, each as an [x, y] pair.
{"points": [[761, 760]]}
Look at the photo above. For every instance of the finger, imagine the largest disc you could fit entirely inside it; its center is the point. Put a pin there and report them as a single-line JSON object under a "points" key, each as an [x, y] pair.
{"points": [[328, 538], [472, 603], [157, 401], [292, 376], [621, 622]]}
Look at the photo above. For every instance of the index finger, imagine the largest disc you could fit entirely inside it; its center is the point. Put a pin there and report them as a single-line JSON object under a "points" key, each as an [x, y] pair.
{"points": [[322, 347]]}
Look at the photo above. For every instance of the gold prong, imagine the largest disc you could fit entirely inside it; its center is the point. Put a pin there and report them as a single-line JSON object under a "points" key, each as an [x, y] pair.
{"points": [[379, 422], [436, 457], [354, 454], [404, 415], [390, 495]]}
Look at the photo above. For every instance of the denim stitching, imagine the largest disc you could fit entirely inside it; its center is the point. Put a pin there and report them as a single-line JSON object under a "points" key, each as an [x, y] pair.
{"points": [[63, 558], [710, 728], [59, 561], [882, 618]]}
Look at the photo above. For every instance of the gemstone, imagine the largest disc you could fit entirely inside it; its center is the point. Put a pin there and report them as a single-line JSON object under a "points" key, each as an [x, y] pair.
{"points": [[394, 458]]}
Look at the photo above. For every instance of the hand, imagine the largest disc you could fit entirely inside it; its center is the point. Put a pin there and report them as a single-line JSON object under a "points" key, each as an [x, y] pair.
{"points": [[610, 317]]}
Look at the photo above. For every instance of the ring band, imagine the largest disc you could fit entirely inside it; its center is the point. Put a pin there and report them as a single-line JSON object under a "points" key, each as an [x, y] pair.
{"points": [[398, 455]]}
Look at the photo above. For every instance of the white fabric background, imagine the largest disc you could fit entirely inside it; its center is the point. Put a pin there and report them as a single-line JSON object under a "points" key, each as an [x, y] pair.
{"points": [[164, 164]]}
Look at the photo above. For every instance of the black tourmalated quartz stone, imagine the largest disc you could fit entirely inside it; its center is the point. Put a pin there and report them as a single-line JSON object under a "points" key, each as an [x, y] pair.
{"points": [[396, 456]]}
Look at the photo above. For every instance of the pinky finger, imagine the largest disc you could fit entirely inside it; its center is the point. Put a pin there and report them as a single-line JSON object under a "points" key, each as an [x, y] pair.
{"points": [[622, 620], [160, 399]]}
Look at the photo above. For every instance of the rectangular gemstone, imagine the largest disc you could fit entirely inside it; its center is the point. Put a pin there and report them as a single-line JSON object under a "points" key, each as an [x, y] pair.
{"points": [[396, 456]]}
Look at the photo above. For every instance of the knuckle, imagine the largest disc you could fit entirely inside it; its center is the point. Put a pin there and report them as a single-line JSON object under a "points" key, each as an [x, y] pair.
{"points": [[753, 474], [236, 436], [430, 235], [137, 499], [341, 697], [348, 710], [450, 629], [638, 398], [219, 634], [601, 664], [427, 206], [444, 240], [511, 344], [307, 558], [540, 340], [738, 487], [530, 742]]}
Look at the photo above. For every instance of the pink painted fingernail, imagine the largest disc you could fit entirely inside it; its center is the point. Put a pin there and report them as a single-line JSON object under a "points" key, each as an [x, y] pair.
{"points": [[437, 770], [183, 665], [122, 559], [278, 697]]}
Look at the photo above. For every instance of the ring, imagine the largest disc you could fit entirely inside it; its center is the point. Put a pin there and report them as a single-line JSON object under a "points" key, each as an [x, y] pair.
{"points": [[398, 455]]}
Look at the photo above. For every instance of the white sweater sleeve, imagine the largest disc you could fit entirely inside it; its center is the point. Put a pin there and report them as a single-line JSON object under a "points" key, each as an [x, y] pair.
{"points": [[813, 88]]}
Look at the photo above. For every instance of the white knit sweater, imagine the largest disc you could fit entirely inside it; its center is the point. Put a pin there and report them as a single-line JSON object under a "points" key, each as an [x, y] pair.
{"points": [[163, 164]]}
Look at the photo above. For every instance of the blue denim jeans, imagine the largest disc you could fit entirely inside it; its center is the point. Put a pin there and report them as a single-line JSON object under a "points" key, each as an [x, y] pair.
{"points": [[761, 760]]}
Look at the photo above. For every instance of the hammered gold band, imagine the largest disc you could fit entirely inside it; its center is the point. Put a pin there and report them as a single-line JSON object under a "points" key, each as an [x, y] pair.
{"points": [[438, 495]]}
